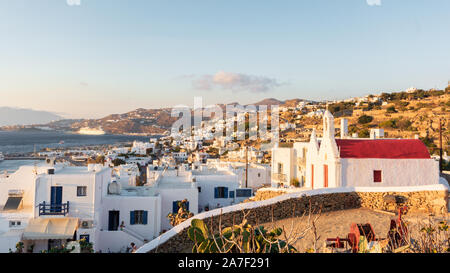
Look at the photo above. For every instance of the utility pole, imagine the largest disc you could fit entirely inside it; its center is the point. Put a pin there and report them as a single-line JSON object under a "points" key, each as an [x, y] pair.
{"points": [[246, 165], [440, 146]]}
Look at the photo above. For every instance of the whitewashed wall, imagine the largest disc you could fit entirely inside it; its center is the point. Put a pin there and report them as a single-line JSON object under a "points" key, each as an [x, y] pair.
{"points": [[395, 172]]}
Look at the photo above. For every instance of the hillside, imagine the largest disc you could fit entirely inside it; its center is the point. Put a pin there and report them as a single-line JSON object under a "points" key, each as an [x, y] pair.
{"points": [[13, 116], [401, 115]]}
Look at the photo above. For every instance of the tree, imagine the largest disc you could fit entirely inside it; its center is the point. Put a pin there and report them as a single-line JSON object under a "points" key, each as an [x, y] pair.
{"points": [[118, 162]]}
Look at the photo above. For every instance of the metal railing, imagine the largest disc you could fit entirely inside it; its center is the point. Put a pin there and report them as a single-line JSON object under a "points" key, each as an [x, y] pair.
{"points": [[53, 209]]}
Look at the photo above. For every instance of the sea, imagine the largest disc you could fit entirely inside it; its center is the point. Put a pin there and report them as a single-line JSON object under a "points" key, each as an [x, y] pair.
{"points": [[23, 142]]}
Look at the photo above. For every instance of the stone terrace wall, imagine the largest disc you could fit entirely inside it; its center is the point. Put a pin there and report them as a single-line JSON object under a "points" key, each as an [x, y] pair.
{"points": [[422, 201]]}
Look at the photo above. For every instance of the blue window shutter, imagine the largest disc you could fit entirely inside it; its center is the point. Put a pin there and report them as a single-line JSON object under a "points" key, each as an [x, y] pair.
{"points": [[187, 205], [131, 217], [145, 216], [175, 207], [216, 192], [225, 194], [231, 194]]}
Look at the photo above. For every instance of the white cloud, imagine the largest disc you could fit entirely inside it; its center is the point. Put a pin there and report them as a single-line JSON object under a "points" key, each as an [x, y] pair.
{"points": [[235, 82], [373, 2]]}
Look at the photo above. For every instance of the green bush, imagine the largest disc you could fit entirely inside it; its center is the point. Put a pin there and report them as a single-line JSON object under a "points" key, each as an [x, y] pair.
{"points": [[364, 119], [391, 109]]}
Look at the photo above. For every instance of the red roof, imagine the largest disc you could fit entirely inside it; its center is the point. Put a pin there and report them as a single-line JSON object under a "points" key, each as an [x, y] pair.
{"points": [[382, 148]]}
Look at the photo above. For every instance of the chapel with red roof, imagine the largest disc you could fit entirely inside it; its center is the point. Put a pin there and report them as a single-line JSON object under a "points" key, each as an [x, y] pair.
{"points": [[366, 162]]}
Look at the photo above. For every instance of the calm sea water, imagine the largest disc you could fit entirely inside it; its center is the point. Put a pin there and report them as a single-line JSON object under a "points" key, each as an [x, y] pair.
{"points": [[25, 141], [13, 165]]}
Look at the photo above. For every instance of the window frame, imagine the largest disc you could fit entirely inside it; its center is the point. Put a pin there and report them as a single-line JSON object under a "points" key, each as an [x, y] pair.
{"points": [[83, 192], [241, 191], [377, 175], [139, 217]]}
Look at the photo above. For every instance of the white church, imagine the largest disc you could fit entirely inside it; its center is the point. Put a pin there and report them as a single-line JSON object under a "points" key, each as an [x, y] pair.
{"points": [[353, 162]]}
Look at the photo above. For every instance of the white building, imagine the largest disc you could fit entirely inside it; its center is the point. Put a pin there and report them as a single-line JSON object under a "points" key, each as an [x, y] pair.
{"points": [[289, 165], [367, 162], [353, 162], [141, 148], [49, 205]]}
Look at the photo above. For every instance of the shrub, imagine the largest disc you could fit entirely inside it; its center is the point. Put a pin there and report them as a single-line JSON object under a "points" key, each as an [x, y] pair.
{"points": [[118, 162], [364, 119], [391, 109], [404, 124], [364, 133]]}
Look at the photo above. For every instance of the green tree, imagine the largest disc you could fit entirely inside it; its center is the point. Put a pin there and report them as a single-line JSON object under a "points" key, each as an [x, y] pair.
{"points": [[118, 162]]}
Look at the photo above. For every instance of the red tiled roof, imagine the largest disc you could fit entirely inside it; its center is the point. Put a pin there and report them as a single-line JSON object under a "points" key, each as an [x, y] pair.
{"points": [[382, 148]]}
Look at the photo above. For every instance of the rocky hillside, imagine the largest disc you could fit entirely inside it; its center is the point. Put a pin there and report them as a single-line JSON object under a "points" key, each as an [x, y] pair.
{"points": [[401, 115]]}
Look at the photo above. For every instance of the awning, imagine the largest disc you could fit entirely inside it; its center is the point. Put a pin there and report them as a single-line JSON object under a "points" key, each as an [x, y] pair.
{"points": [[12, 203], [50, 228]]}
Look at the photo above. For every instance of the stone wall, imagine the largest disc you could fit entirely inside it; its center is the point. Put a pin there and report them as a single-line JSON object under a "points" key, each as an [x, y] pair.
{"points": [[421, 201]]}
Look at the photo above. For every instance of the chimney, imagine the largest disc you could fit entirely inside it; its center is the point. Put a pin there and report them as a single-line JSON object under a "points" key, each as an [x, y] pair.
{"points": [[344, 128]]}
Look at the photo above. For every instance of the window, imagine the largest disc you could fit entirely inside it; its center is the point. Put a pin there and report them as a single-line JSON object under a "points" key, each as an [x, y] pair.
{"points": [[243, 193], [15, 224], [231, 195], [280, 168], [138, 217], [377, 176], [81, 191], [259, 175], [86, 237], [221, 192], [199, 189]]}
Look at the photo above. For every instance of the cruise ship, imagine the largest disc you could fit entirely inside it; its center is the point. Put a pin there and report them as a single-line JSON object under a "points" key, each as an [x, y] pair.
{"points": [[91, 131]]}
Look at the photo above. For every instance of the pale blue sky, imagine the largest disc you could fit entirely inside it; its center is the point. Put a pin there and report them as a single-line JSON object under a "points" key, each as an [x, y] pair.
{"points": [[112, 56]]}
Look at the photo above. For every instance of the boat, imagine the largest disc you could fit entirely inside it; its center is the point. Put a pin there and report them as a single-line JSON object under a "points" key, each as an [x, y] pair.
{"points": [[2, 157], [91, 131]]}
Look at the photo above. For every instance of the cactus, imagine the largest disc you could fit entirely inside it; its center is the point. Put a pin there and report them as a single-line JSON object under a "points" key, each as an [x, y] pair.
{"points": [[182, 215], [242, 238]]}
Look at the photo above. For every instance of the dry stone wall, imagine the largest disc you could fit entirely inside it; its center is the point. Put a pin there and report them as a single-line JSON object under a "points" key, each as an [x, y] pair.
{"points": [[422, 201]]}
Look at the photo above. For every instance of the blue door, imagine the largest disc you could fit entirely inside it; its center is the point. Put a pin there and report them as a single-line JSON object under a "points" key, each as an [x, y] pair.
{"points": [[56, 199]]}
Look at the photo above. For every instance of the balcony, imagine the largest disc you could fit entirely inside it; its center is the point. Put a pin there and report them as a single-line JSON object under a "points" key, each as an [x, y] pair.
{"points": [[280, 177], [53, 209]]}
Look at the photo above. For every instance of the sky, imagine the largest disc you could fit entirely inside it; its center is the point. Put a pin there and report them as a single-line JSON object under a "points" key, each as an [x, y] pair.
{"points": [[91, 58]]}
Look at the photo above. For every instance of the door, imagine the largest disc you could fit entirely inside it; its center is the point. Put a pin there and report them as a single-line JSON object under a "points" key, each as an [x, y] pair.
{"points": [[113, 222], [56, 199], [325, 176]]}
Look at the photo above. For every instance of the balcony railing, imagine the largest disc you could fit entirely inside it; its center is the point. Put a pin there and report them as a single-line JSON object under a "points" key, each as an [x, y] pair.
{"points": [[53, 209], [281, 177]]}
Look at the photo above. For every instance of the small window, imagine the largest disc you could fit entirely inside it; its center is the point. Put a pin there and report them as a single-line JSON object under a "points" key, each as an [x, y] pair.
{"points": [[81, 191], [85, 237], [138, 217], [259, 175], [15, 224], [243, 193], [221, 192], [231, 195], [199, 189], [377, 176]]}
